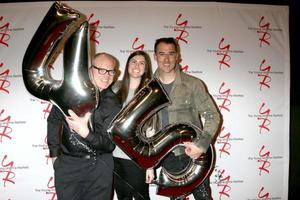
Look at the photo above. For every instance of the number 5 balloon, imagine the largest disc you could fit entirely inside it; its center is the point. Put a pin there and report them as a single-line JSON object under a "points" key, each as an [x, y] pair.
{"points": [[67, 29], [126, 130]]}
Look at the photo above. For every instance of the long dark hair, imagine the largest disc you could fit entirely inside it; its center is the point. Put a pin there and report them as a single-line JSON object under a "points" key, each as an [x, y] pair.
{"points": [[124, 88]]}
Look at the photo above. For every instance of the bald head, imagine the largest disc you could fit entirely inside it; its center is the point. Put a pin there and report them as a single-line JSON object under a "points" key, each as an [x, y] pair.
{"points": [[103, 70], [105, 57]]}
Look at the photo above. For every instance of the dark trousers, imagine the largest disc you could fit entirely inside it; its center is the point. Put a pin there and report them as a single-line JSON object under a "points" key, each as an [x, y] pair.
{"points": [[174, 163], [129, 180], [83, 178]]}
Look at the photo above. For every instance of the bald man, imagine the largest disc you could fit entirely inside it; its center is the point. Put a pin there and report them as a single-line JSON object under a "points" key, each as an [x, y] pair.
{"points": [[82, 156]]}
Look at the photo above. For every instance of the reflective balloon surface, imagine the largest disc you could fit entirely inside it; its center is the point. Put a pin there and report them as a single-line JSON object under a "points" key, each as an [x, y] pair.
{"points": [[65, 29], [126, 130]]}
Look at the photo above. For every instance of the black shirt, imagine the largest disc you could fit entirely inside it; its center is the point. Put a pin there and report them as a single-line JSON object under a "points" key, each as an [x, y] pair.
{"points": [[62, 140]]}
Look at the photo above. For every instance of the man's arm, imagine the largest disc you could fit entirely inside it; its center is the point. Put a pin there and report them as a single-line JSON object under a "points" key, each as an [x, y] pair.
{"points": [[210, 116], [97, 136], [54, 128]]}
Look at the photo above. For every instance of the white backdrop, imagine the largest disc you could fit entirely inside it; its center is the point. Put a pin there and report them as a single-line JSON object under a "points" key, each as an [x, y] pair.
{"points": [[241, 51]]}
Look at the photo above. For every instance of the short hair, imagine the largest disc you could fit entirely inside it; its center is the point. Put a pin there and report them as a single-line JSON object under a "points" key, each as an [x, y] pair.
{"points": [[168, 40]]}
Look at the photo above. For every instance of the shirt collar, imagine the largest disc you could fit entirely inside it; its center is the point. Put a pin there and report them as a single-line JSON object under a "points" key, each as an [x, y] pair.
{"points": [[178, 78]]}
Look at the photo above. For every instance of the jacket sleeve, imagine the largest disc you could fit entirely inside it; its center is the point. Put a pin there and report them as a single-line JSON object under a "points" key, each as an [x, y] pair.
{"points": [[99, 138], [209, 115], [54, 128]]}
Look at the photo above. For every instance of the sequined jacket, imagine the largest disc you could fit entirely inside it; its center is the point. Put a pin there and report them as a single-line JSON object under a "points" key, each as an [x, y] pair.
{"points": [[192, 103], [61, 140]]}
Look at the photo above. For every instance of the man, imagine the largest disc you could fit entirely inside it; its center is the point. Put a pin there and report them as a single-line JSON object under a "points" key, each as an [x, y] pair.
{"points": [[82, 158], [191, 103]]}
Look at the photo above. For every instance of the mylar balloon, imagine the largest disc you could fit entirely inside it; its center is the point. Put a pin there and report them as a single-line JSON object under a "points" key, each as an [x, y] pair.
{"points": [[67, 29], [126, 130]]}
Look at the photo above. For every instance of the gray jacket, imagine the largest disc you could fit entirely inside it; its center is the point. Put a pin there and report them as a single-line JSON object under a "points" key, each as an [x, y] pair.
{"points": [[192, 103]]}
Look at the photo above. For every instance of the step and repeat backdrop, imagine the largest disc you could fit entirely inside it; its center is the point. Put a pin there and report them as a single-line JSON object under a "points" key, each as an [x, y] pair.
{"points": [[240, 51]]}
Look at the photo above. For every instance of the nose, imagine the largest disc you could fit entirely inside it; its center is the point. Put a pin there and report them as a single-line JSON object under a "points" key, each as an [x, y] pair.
{"points": [[136, 65], [167, 58]]}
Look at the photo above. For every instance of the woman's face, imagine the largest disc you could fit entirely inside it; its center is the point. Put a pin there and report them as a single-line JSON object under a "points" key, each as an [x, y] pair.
{"points": [[136, 67]]}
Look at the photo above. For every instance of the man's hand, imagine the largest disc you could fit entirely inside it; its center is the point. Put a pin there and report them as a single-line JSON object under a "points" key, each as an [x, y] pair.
{"points": [[149, 175], [192, 150], [78, 124]]}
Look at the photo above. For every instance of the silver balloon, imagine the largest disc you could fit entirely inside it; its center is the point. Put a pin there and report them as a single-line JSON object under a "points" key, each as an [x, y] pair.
{"points": [[126, 130], [181, 184], [67, 29]]}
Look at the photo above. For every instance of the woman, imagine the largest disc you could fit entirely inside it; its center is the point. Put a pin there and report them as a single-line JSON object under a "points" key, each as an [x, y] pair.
{"points": [[130, 180]]}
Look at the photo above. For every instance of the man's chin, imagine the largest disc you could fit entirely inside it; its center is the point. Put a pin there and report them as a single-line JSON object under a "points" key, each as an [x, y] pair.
{"points": [[103, 86]]}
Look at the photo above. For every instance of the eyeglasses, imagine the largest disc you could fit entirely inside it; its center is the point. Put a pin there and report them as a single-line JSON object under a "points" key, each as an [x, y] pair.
{"points": [[103, 71]]}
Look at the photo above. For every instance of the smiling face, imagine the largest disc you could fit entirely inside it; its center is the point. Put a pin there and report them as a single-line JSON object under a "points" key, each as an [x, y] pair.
{"points": [[103, 81], [166, 57], [136, 67]]}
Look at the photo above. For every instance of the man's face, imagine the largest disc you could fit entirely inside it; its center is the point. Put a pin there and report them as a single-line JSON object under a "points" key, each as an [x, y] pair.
{"points": [[103, 71], [166, 57]]}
